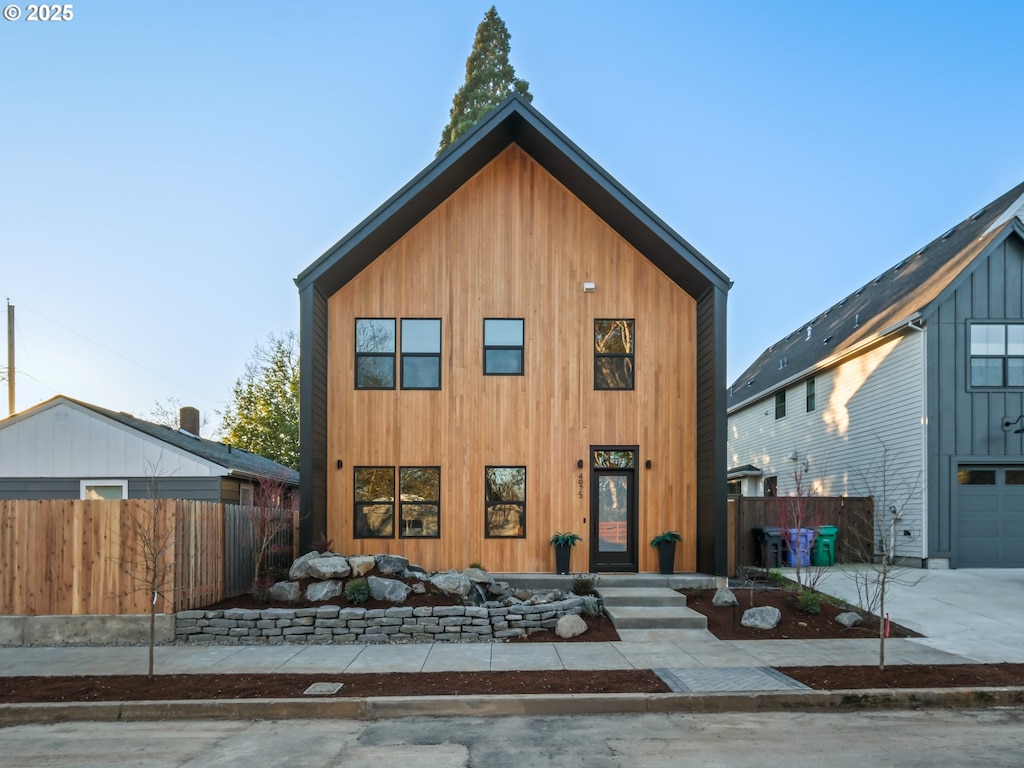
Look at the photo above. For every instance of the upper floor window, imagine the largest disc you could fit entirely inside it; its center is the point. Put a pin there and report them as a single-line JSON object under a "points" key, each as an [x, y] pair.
{"points": [[771, 486], [997, 354], [421, 354], [613, 354], [809, 393], [375, 354], [780, 405], [503, 347]]}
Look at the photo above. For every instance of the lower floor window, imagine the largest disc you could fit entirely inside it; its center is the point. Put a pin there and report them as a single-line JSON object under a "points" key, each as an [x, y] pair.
{"points": [[420, 502], [505, 502], [374, 516]]}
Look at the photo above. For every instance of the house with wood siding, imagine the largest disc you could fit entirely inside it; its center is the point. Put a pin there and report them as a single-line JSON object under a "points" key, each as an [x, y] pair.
{"points": [[514, 346], [68, 449], [910, 390]]}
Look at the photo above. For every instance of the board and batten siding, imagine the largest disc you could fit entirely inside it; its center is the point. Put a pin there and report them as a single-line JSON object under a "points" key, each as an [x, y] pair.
{"points": [[513, 242], [868, 404], [966, 424]]}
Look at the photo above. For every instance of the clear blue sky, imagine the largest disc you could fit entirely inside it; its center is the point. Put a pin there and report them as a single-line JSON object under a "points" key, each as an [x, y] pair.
{"points": [[169, 168]]}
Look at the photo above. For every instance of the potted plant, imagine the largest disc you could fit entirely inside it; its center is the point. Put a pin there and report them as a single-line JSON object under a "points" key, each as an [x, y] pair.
{"points": [[665, 543], [563, 543]]}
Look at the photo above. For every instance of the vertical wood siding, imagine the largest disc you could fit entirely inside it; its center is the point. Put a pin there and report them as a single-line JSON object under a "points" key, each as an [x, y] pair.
{"points": [[513, 242]]}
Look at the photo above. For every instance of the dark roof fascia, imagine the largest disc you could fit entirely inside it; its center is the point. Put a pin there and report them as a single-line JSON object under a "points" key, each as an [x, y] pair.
{"points": [[514, 121]]}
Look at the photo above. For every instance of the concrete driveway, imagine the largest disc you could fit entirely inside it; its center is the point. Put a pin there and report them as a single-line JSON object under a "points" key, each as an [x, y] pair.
{"points": [[972, 612]]}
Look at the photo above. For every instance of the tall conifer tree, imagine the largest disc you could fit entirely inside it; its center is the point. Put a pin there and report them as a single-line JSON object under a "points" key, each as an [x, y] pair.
{"points": [[489, 79]]}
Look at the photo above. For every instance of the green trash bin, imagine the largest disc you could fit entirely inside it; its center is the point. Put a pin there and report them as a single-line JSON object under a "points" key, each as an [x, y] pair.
{"points": [[824, 549]]}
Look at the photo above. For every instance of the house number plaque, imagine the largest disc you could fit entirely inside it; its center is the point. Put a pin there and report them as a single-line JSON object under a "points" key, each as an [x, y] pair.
{"points": [[579, 486]]}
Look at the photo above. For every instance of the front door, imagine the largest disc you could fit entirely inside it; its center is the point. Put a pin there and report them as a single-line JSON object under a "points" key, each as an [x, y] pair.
{"points": [[613, 509]]}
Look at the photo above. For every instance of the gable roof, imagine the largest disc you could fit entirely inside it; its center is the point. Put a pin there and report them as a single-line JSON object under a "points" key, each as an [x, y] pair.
{"points": [[892, 300], [514, 121], [235, 460]]}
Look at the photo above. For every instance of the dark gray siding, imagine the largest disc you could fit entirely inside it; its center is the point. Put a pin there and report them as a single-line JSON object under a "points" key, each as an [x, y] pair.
{"points": [[198, 488], [312, 416], [712, 435], [966, 426]]}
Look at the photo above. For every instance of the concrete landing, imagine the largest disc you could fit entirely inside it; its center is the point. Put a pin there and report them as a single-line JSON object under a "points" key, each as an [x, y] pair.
{"points": [[649, 608]]}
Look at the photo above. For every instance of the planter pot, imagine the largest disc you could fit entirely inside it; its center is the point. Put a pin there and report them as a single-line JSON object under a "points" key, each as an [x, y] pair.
{"points": [[666, 557], [562, 559]]}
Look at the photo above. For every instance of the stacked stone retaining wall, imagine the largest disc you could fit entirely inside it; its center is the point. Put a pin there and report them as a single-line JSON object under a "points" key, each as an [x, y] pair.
{"points": [[399, 624]]}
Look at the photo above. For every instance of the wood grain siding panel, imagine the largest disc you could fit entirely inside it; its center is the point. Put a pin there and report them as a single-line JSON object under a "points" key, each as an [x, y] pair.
{"points": [[513, 242]]}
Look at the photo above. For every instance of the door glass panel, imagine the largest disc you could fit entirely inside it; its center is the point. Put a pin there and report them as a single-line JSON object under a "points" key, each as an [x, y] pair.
{"points": [[614, 459], [613, 511]]}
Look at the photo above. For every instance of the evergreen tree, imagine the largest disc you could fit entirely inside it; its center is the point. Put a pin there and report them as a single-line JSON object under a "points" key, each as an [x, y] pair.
{"points": [[489, 79], [264, 415]]}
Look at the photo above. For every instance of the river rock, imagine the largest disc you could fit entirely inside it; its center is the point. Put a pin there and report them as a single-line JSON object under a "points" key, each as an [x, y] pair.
{"points": [[723, 597], [849, 619], [570, 625], [763, 617]]}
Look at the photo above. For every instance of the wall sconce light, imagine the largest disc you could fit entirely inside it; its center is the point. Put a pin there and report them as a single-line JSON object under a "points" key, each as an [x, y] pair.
{"points": [[579, 464], [647, 463], [589, 287], [340, 463], [1007, 423]]}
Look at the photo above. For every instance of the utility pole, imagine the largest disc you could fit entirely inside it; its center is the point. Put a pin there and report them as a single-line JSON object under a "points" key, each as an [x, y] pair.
{"points": [[10, 358]]}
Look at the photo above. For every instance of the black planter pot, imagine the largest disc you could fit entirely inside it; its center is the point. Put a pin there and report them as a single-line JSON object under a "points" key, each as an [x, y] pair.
{"points": [[562, 554], [666, 557]]}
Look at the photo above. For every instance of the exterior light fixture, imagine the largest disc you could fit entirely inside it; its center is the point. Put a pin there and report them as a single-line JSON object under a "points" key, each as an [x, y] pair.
{"points": [[589, 287]]}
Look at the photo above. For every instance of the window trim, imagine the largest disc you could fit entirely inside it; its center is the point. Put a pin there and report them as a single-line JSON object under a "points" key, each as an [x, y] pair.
{"points": [[810, 394], [521, 347], [358, 354], [631, 356], [520, 504], [83, 484], [419, 355], [401, 522], [1003, 358]]}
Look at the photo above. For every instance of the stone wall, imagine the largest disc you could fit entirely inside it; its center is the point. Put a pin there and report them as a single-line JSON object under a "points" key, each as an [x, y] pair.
{"points": [[399, 624]]}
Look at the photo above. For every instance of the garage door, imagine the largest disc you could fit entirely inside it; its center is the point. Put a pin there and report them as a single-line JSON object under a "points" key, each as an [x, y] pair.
{"points": [[990, 517]]}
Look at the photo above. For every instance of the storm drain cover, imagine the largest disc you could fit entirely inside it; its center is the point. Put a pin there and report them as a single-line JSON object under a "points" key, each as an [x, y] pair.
{"points": [[323, 689]]}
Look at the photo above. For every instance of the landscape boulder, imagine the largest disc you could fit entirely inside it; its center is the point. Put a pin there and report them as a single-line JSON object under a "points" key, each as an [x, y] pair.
{"points": [[286, 592], [392, 565], [361, 564], [300, 568], [570, 625], [330, 567], [724, 598], [762, 617], [850, 619], [452, 583], [318, 591], [390, 590]]}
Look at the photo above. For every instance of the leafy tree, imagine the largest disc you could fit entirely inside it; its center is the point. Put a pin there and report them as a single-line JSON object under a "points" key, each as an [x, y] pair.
{"points": [[489, 79], [264, 416]]}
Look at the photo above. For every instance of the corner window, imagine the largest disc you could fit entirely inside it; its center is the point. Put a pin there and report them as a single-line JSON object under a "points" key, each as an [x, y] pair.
{"points": [[505, 502], [421, 354], [374, 513], [104, 490], [375, 354], [780, 405], [613, 354], [503, 347], [997, 355], [771, 486], [735, 487], [809, 393], [419, 502]]}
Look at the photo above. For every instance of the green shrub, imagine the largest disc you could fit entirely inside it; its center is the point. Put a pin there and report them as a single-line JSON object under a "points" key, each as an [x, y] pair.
{"points": [[475, 564], [357, 591], [584, 585], [591, 606], [808, 602]]}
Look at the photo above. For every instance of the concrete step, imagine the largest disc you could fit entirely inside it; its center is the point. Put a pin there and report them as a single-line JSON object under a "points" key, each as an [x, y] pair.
{"points": [[635, 597], [648, 617], [618, 580]]}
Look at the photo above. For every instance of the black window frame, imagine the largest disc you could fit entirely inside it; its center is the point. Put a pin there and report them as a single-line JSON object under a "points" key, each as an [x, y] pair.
{"points": [[521, 347], [770, 486], [600, 384], [375, 355], [402, 522], [358, 504], [490, 502], [810, 397], [1003, 358], [420, 355], [780, 405]]}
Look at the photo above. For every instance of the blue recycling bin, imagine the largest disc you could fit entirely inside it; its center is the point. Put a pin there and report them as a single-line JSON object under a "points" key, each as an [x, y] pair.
{"points": [[799, 550]]}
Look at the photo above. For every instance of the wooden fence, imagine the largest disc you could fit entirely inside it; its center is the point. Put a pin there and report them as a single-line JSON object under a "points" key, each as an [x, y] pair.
{"points": [[98, 557], [853, 516]]}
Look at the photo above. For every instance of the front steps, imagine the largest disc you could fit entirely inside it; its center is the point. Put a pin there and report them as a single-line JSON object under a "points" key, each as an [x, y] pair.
{"points": [[649, 608]]}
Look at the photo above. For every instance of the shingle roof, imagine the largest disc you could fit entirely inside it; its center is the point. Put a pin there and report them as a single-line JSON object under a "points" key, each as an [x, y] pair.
{"points": [[231, 458], [894, 297]]}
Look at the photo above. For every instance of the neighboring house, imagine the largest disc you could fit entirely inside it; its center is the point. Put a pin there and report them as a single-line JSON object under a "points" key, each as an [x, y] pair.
{"points": [[925, 363], [67, 449], [509, 347]]}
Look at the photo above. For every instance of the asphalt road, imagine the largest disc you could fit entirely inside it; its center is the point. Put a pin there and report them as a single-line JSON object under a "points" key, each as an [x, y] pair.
{"points": [[993, 738]]}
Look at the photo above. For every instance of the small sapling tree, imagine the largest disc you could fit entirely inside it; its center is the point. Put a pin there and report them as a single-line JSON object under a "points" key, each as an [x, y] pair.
{"points": [[269, 516]]}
